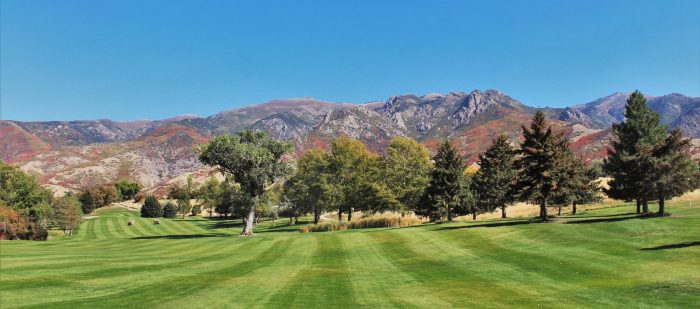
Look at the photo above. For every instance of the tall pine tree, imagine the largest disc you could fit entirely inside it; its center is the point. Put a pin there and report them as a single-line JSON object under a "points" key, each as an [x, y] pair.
{"points": [[496, 175], [631, 157], [442, 196], [538, 164]]}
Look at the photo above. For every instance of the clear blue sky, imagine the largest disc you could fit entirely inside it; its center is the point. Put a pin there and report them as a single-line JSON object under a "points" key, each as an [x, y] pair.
{"points": [[128, 60]]}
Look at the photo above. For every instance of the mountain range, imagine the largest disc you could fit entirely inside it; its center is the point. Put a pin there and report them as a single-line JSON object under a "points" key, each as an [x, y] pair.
{"points": [[67, 155]]}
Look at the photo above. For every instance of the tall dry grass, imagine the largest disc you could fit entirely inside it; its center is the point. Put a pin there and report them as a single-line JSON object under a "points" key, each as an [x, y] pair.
{"points": [[387, 220]]}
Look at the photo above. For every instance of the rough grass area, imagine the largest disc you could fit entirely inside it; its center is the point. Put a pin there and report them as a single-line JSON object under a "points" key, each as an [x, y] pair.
{"points": [[605, 258], [386, 220]]}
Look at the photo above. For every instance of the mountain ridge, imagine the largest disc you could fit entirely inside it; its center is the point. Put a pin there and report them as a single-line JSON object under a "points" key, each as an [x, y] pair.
{"points": [[66, 155]]}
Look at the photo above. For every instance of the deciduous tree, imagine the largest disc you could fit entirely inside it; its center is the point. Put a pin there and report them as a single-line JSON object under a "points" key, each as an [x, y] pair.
{"points": [[252, 159]]}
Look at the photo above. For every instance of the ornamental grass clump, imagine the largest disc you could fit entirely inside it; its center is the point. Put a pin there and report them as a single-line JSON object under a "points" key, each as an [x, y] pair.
{"points": [[367, 222]]}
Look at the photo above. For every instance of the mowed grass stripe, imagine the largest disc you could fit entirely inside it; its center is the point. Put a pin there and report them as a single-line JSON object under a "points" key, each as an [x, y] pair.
{"points": [[104, 280], [155, 294], [378, 282], [326, 283]]}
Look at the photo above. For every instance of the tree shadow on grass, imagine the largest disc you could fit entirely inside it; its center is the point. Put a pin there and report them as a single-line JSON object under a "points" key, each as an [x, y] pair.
{"points": [[183, 236], [489, 224], [583, 216], [673, 246], [611, 218]]}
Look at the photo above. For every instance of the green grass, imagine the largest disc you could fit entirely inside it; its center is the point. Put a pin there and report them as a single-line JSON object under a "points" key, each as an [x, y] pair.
{"points": [[605, 258]]}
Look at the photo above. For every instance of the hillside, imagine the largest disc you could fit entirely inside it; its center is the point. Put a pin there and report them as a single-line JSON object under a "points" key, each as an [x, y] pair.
{"points": [[618, 260], [66, 155]]}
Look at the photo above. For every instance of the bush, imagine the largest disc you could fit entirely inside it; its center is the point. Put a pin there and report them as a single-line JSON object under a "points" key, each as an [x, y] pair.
{"points": [[151, 208], [13, 225], [169, 210], [368, 222]]}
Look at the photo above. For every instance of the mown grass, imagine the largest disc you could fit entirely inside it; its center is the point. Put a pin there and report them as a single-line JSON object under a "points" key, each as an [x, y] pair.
{"points": [[605, 258]]}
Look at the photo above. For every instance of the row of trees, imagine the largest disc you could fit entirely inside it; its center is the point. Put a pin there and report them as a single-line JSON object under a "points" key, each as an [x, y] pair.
{"points": [[100, 196], [646, 162], [347, 178]]}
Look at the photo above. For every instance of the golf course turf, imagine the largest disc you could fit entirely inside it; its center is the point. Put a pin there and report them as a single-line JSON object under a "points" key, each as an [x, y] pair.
{"points": [[606, 258]]}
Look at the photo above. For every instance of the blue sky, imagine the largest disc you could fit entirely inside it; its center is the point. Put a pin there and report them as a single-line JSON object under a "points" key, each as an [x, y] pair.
{"points": [[126, 60]]}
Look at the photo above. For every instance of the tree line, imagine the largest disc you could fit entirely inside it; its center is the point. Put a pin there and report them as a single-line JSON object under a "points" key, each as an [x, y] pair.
{"points": [[646, 163]]}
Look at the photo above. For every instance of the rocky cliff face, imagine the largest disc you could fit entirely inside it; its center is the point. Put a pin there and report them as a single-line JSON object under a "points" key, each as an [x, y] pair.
{"points": [[74, 154]]}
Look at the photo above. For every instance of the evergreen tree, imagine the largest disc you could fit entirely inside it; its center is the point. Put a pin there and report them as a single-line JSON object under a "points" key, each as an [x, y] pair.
{"points": [[675, 172], [495, 177], [442, 196], [151, 208], [538, 162], [576, 184], [169, 210], [631, 159]]}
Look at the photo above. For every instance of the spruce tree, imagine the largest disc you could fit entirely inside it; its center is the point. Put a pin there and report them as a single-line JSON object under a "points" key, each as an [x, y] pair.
{"points": [[675, 172], [495, 176], [630, 159], [539, 151], [442, 196], [576, 183]]}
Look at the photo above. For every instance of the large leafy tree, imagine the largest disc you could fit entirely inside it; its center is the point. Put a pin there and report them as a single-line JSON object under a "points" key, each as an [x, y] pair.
{"points": [[252, 159], [209, 195], [350, 165], [495, 177], [67, 212], [20, 191], [538, 164], [310, 189], [405, 171], [675, 172], [631, 157], [441, 198]]}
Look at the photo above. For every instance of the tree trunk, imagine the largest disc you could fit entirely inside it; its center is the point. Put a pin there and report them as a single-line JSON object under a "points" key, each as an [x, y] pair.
{"points": [[543, 211], [317, 215], [559, 213], [662, 203], [573, 209], [639, 206], [340, 215], [645, 206], [474, 216], [248, 228], [349, 214], [503, 212]]}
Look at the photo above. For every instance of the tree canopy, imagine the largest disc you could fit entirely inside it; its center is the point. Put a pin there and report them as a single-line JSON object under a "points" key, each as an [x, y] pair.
{"points": [[251, 158]]}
